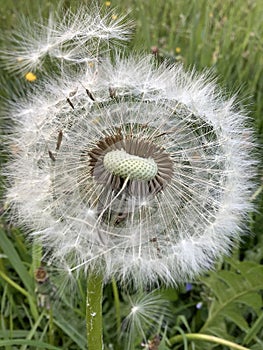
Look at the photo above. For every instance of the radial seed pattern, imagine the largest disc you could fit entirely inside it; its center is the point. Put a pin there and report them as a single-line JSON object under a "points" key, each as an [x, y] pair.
{"points": [[144, 175]]}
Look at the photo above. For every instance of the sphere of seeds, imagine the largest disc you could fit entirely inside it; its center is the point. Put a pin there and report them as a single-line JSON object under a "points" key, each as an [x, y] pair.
{"points": [[138, 172]]}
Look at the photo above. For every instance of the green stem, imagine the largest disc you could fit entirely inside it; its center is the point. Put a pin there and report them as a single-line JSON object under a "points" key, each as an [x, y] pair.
{"points": [[117, 306], [94, 312], [36, 256], [206, 337]]}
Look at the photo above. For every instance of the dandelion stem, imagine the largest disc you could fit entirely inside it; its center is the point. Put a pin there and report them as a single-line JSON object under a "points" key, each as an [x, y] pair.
{"points": [[94, 311], [208, 338], [117, 305], [36, 256]]}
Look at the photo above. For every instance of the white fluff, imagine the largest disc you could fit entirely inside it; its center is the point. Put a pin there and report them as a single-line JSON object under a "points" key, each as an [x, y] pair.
{"points": [[65, 38], [168, 237]]}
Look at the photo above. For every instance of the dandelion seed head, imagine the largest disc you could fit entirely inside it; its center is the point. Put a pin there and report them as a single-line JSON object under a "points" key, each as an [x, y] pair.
{"points": [[134, 171]]}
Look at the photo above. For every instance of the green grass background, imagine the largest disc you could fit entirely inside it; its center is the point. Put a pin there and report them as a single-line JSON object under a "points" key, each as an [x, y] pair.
{"points": [[226, 36]]}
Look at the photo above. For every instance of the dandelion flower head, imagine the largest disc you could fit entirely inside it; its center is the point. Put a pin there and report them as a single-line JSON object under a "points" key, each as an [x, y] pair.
{"points": [[136, 171]]}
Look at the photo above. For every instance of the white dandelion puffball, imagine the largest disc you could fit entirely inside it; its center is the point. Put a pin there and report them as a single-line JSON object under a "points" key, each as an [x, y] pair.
{"points": [[133, 171], [65, 38]]}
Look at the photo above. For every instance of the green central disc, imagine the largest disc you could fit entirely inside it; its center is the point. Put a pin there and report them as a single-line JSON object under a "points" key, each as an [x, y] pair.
{"points": [[125, 165]]}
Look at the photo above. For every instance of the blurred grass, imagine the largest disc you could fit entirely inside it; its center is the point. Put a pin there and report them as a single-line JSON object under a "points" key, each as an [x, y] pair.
{"points": [[226, 36]]}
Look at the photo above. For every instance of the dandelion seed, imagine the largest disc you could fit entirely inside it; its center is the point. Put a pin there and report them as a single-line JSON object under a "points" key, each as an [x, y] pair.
{"points": [[147, 315], [59, 140], [51, 156], [70, 103]]}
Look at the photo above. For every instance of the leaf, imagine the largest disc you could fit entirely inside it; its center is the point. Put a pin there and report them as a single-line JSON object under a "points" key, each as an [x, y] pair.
{"points": [[18, 265], [8, 248], [257, 346], [235, 293], [257, 326], [37, 344], [71, 331]]}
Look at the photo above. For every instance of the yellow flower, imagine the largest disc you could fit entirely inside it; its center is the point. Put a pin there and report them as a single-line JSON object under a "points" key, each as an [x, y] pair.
{"points": [[107, 3], [114, 17], [30, 76], [177, 49]]}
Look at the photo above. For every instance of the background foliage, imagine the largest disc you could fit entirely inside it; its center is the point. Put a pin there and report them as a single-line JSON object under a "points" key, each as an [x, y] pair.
{"points": [[225, 36]]}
